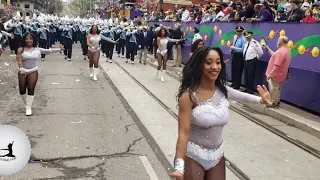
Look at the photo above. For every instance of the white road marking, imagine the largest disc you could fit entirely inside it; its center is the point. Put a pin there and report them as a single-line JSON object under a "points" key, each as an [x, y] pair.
{"points": [[147, 165]]}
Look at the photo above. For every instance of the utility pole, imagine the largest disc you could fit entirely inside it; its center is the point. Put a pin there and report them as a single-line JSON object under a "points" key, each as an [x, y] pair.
{"points": [[161, 2], [123, 8], [123, 5]]}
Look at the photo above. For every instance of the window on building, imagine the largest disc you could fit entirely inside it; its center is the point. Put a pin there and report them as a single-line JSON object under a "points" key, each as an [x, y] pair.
{"points": [[26, 6]]}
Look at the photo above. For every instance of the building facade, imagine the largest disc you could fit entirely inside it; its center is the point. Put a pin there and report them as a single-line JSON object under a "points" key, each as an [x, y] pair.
{"points": [[26, 7]]}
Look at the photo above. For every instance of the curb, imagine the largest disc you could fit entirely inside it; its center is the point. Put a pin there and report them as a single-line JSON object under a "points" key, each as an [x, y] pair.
{"points": [[296, 121]]}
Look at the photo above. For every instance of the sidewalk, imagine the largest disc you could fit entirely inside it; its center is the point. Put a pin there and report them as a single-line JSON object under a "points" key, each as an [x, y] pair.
{"points": [[257, 152], [286, 113]]}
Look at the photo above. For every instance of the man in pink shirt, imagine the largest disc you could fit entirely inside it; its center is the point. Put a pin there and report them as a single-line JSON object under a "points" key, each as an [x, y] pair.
{"points": [[277, 70]]}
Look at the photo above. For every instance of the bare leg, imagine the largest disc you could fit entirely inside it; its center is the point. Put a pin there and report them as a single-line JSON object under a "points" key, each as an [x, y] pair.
{"points": [[164, 65], [165, 59], [193, 171], [96, 57], [159, 59], [218, 172], [90, 57]]}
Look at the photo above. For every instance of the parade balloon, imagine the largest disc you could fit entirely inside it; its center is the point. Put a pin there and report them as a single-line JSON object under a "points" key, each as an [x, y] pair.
{"points": [[272, 34], [315, 51], [301, 49], [290, 44]]}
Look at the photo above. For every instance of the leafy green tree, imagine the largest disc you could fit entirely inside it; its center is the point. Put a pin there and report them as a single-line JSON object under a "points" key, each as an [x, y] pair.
{"points": [[81, 7], [52, 6]]}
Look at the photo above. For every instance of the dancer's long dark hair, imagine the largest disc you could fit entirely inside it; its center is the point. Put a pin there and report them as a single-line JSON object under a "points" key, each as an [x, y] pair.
{"points": [[194, 46], [162, 29], [193, 70], [98, 31], [23, 40]]}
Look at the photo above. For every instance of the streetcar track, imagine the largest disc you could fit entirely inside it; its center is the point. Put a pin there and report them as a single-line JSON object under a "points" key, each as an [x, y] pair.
{"points": [[265, 125], [231, 166]]}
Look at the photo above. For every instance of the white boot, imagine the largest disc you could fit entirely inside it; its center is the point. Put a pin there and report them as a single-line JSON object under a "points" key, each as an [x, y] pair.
{"points": [[157, 73], [24, 98], [91, 71], [162, 75], [110, 60], [29, 102], [95, 71]]}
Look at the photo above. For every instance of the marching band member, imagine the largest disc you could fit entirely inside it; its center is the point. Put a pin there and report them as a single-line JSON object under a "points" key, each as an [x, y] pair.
{"points": [[143, 45], [131, 44], [43, 37]]}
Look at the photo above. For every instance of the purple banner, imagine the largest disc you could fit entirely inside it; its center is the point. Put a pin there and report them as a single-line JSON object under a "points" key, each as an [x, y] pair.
{"points": [[304, 41], [135, 13]]}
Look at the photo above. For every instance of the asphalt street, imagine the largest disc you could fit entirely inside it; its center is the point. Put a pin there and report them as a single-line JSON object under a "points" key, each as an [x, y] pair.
{"points": [[80, 128]]}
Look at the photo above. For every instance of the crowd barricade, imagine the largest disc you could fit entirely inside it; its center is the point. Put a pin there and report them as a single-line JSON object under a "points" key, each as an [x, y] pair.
{"points": [[303, 83]]}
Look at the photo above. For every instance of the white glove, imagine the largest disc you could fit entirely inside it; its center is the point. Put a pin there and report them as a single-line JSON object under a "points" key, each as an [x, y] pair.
{"points": [[139, 46]]}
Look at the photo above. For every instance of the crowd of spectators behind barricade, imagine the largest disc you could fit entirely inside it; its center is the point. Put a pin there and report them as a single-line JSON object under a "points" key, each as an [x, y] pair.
{"points": [[245, 11]]}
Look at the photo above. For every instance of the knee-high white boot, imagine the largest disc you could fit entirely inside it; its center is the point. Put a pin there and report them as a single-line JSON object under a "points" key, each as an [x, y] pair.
{"points": [[24, 98], [29, 102], [95, 72], [162, 75], [91, 71]]}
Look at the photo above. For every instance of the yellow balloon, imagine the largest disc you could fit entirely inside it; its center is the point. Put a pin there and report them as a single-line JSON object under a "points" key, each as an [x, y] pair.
{"points": [[222, 42], [282, 32], [220, 32], [205, 37], [215, 28], [262, 41], [271, 34], [228, 43], [290, 44], [315, 51], [301, 49]]}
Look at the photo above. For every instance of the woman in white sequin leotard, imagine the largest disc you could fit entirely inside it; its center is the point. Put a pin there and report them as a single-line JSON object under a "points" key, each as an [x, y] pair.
{"points": [[93, 40], [27, 57], [203, 112]]}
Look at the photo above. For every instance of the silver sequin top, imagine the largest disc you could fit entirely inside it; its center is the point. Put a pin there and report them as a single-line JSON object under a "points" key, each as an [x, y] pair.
{"points": [[209, 117], [31, 56]]}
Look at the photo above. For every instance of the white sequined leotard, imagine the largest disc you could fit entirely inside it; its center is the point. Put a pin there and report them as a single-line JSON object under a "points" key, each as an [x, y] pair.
{"points": [[94, 41], [205, 144], [31, 56]]}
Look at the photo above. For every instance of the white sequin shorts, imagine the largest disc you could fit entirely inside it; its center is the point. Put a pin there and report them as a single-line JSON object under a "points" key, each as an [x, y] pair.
{"points": [[29, 71], [207, 158]]}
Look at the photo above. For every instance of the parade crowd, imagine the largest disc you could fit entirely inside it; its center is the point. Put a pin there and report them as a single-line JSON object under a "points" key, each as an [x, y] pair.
{"points": [[243, 10]]}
